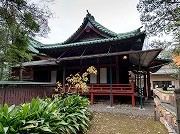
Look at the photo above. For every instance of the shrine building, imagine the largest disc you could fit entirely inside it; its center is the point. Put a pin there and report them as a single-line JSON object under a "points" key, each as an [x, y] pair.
{"points": [[119, 59]]}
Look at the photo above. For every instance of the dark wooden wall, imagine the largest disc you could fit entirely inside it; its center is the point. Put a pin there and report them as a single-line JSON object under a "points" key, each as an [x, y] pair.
{"points": [[24, 93]]}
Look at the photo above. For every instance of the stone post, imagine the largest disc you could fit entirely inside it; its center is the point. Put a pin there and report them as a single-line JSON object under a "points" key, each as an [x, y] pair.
{"points": [[177, 106]]}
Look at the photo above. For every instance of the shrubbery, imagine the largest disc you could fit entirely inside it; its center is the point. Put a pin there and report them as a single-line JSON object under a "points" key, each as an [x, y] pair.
{"points": [[57, 116]]}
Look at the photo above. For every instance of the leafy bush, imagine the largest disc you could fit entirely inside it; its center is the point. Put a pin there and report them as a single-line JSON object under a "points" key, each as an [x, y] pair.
{"points": [[75, 112], [68, 115]]}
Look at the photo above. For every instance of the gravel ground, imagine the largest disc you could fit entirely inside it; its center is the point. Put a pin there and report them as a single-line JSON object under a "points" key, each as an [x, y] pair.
{"points": [[147, 111]]}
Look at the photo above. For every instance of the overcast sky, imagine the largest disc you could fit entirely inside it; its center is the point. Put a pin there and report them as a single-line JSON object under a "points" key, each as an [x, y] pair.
{"points": [[116, 15]]}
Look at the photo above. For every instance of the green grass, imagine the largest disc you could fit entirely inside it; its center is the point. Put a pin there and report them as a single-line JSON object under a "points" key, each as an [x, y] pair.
{"points": [[108, 123]]}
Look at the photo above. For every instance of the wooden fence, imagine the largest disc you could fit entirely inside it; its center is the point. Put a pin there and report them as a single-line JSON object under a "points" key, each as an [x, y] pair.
{"points": [[18, 93]]}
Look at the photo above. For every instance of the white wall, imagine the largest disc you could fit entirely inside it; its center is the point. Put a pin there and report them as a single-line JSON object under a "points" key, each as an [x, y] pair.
{"points": [[103, 75], [53, 76], [93, 78], [162, 77]]}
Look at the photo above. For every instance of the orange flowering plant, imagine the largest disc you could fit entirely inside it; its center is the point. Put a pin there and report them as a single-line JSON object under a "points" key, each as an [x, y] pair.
{"points": [[176, 59], [77, 82], [176, 56]]}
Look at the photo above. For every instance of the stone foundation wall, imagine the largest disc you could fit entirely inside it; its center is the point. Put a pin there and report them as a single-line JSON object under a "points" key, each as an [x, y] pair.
{"points": [[166, 96], [163, 108]]}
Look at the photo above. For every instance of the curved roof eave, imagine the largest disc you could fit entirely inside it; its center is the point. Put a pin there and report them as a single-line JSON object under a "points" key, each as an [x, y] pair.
{"points": [[91, 42]]}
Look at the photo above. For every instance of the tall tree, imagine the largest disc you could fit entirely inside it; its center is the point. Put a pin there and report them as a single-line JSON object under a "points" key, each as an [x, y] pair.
{"points": [[19, 20], [160, 16]]}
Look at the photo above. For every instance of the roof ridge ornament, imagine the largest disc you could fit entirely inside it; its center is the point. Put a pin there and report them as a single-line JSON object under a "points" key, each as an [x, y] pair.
{"points": [[89, 15], [87, 12]]}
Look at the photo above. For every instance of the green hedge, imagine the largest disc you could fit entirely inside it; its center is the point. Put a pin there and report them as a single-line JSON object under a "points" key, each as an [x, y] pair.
{"points": [[57, 116]]}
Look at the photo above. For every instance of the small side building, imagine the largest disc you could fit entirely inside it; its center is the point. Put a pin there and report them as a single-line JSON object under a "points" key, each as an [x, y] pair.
{"points": [[165, 76]]}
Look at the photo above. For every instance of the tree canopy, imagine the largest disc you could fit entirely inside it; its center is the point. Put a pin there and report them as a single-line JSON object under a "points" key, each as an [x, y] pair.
{"points": [[160, 16], [19, 20]]}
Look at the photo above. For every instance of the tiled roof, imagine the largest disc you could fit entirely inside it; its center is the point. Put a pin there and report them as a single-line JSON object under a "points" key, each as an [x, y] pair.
{"points": [[89, 18], [125, 36], [32, 49], [34, 45], [166, 71], [99, 26]]}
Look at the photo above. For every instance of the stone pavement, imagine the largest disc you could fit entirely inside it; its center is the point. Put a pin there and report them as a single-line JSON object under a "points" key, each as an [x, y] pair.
{"points": [[126, 109]]}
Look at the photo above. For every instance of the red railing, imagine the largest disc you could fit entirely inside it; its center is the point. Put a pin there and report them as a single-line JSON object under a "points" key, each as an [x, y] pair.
{"points": [[117, 90]]}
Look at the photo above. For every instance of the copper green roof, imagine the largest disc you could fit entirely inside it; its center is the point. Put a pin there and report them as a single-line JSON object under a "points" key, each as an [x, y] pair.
{"points": [[34, 45], [61, 45], [95, 24], [32, 48], [110, 36]]}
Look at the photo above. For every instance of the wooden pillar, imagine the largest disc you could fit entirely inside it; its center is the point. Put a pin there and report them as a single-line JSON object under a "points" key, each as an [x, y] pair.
{"points": [[135, 81], [20, 73], [111, 96], [92, 98], [133, 100], [149, 85], [117, 70], [133, 95], [145, 88], [98, 71], [177, 106]]}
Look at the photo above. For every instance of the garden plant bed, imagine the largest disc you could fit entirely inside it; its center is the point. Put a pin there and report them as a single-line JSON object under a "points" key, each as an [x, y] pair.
{"points": [[113, 123]]}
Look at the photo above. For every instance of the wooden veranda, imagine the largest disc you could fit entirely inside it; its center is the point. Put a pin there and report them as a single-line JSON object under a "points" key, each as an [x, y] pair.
{"points": [[112, 90]]}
